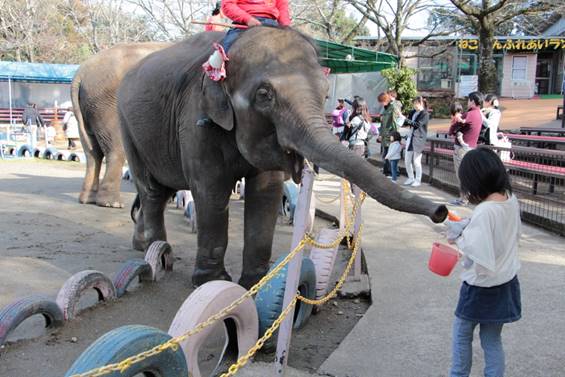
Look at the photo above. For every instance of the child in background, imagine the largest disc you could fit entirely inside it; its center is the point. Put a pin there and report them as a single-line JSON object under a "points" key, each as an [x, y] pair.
{"points": [[456, 111], [394, 154], [50, 134], [490, 293]]}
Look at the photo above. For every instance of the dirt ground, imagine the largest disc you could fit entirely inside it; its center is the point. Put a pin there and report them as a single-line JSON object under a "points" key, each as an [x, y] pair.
{"points": [[46, 236]]}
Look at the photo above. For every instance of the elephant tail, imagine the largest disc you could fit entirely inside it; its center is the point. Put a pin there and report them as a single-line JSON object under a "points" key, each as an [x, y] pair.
{"points": [[75, 99], [135, 208]]}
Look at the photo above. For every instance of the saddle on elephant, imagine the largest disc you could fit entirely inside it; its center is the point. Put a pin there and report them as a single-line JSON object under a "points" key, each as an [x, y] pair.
{"points": [[251, 13]]}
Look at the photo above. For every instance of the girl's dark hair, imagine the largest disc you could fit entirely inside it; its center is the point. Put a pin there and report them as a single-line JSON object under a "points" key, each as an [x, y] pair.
{"points": [[396, 136], [217, 8], [359, 107], [492, 99], [421, 100], [477, 98], [455, 108], [481, 174]]}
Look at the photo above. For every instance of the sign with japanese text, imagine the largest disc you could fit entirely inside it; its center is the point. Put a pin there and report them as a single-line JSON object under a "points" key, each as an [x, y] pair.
{"points": [[516, 44]]}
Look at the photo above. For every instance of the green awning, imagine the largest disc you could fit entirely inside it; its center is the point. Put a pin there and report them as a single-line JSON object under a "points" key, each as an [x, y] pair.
{"points": [[348, 59]]}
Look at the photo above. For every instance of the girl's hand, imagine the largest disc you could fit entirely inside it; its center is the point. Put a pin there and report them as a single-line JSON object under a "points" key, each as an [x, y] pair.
{"points": [[455, 228], [253, 22]]}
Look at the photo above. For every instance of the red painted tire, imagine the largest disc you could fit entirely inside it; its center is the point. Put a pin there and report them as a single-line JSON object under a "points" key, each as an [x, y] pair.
{"points": [[76, 285], [159, 255], [324, 260], [13, 315], [130, 270], [241, 325]]}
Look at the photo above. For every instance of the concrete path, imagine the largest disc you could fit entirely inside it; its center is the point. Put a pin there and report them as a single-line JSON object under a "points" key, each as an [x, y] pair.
{"points": [[407, 330]]}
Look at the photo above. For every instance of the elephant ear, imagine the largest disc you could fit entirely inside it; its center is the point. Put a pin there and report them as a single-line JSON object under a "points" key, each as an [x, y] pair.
{"points": [[216, 103]]}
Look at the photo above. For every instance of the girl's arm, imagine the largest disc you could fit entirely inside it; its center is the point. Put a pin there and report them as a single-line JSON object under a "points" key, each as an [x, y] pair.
{"points": [[284, 14], [476, 241], [232, 11]]}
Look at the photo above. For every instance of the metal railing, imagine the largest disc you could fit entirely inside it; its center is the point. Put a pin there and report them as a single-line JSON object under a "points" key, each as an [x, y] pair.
{"points": [[537, 176]]}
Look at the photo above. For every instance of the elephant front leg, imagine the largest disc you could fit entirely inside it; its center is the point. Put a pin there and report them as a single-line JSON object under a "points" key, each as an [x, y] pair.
{"points": [[263, 197], [213, 212]]}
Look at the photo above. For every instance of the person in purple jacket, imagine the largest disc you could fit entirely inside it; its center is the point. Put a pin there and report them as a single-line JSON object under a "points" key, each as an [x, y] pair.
{"points": [[469, 125]]}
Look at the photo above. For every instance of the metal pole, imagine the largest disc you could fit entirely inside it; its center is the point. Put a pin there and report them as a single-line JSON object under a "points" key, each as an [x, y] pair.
{"points": [[8, 136], [300, 222], [563, 93]]}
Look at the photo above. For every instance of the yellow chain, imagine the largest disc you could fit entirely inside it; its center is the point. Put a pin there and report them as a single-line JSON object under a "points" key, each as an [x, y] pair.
{"points": [[174, 343], [270, 331]]}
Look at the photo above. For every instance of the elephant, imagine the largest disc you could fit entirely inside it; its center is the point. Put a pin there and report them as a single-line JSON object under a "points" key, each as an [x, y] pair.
{"points": [[267, 114], [93, 94]]}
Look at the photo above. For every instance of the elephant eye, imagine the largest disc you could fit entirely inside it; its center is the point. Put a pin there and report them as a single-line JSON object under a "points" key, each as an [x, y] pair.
{"points": [[264, 95]]}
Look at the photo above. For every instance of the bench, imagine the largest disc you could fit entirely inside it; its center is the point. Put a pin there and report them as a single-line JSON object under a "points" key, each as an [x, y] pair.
{"points": [[559, 112], [537, 171], [542, 131], [48, 114], [541, 141]]}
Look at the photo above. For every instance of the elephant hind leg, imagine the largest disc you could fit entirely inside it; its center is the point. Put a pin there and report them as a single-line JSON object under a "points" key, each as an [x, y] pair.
{"points": [[109, 191], [94, 158]]}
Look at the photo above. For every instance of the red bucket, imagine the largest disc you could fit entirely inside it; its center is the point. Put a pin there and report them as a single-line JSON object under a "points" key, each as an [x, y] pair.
{"points": [[443, 259]]}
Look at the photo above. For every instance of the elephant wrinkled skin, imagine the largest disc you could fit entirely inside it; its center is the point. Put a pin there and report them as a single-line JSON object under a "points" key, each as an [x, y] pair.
{"points": [[93, 94], [268, 114]]}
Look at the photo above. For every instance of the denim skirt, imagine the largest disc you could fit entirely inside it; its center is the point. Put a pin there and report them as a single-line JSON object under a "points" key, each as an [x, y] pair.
{"points": [[499, 304]]}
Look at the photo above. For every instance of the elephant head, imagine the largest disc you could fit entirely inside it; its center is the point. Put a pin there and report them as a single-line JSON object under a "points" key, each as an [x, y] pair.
{"points": [[276, 90]]}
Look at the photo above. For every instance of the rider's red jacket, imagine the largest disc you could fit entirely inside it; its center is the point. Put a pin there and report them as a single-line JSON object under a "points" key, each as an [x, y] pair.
{"points": [[241, 11]]}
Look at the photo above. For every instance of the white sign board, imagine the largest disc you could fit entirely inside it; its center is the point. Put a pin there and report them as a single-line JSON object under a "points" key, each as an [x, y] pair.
{"points": [[468, 84]]}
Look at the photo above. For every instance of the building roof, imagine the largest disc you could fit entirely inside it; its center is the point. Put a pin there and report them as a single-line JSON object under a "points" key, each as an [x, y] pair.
{"points": [[38, 72], [348, 59]]}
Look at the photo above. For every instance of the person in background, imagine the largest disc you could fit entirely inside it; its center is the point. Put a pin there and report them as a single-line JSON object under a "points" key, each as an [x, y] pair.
{"points": [[31, 116], [418, 122], [456, 111], [70, 126], [215, 18], [490, 294], [390, 118], [358, 127], [50, 134], [469, 124], [491, 121], [394, 154], [340, 117]]}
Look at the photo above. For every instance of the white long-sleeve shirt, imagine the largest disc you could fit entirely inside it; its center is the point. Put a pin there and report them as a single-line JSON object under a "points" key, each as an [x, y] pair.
{"points": [[492, 122], [491, 242]]}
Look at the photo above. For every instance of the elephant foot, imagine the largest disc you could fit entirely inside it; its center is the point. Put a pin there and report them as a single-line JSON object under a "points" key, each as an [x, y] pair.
{"points": [[87, 197], [201, 276], [139, 243], [109, 200], [249, 280]]}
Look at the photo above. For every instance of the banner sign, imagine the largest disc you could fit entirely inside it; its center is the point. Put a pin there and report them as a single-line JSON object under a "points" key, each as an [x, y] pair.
{"points": [[516, 44]]}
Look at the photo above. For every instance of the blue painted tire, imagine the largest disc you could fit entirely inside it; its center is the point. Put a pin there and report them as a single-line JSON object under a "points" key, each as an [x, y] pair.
{"points": [[127, 341], [269, 299], [50, 153], [290, 198], [12, 315], [23, 150], [130, 270]]}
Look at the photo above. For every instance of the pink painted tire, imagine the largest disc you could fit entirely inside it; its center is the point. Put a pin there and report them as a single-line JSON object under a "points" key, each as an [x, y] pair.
{"points": [[11, 316], [241, 325], [128, 272], [324, 260], [159, 256], [69, 295]]}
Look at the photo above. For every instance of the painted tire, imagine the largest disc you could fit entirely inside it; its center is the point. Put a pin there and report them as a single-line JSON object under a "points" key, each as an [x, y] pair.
{"points": [[159, 256], [190, 214], [130, 270], [77, 157], [24, 151], [38, 152], [269, 299], [14, 314], [12, 151], [63, 156], [290, 198], [50, 153], [76, 285], [127, 341], [324, 260], [241, 325]]}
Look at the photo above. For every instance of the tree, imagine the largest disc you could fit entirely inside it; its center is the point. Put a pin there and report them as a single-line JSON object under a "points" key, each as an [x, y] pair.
{"points": [[393, 17], [484, 18], [327, 19]]}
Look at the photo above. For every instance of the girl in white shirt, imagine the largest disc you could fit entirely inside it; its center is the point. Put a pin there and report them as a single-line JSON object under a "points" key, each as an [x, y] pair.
{"points": [[490, 293]]}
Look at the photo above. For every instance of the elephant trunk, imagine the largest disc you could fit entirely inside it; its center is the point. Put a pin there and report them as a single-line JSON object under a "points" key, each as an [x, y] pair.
{"points": [[319, 146]]}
